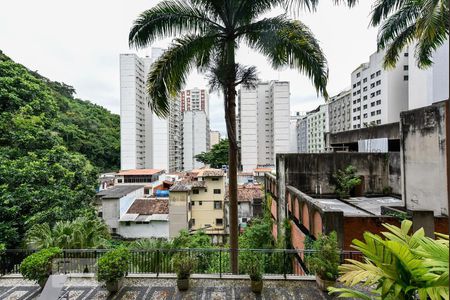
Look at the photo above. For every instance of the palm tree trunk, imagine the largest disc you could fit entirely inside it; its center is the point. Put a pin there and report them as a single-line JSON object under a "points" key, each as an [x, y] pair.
{"points": [[230, 119]]}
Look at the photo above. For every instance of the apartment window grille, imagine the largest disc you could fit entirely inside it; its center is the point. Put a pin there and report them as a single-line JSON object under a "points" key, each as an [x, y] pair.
{"points": [[217, 191], [217, 204]]}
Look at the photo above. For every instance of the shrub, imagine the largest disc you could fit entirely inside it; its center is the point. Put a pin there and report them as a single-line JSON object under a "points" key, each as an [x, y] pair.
{"points": [[345, 180], [325, 258], [113, 265], [38, 266], [252, 265], [183, 264]]}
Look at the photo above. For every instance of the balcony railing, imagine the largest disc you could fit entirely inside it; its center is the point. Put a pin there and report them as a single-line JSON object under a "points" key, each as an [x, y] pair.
{"points": [[159, 261]]}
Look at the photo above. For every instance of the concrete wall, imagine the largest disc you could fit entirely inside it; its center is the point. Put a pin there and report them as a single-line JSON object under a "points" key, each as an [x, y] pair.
{"points": [[178, 212], [155, 229], [423, 159], [313, 173]]}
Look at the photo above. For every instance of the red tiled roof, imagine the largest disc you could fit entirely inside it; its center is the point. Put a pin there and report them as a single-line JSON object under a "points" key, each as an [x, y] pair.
{"points": [[140, 172], [210, 173], [149, 207], [247, 192]]}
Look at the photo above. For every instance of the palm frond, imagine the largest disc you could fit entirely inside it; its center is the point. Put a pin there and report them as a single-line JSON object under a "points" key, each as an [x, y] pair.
{"points": [[169, 72], [289, 43], [169, 19]]}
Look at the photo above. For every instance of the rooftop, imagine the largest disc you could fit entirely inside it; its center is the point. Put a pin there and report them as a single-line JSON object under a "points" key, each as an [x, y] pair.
{"points": [[118, 191], [139, 172], [149, 206], [374, 205], [210, 173], [247, 192]]}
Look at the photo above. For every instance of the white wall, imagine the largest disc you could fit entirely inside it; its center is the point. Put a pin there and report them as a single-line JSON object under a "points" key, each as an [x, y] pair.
{"points": [[195, 138], [249, 127], [155, 229]]}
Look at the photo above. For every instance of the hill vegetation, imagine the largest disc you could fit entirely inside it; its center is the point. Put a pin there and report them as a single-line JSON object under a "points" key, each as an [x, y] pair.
{"points": [[52, 147]]}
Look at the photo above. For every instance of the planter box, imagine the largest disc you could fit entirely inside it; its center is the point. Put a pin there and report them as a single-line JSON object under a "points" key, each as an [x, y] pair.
{"points": [[256, 286], [114, 286], [183, 284]]}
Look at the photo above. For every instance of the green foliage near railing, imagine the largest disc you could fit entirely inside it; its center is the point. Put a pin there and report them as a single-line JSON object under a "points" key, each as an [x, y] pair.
{"points": [[113, 265], [81, 233], [325, 259], [345, 180], [38, 266], [52, 147], [252, 264], [184, 264], [398, 265]]}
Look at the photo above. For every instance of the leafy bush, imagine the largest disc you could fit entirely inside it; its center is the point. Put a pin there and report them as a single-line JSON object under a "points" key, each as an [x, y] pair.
{"points": [[399, 266], [252, 264], [345, 180], [38, 266], [183, 264], [113, 265], [325, 259]]}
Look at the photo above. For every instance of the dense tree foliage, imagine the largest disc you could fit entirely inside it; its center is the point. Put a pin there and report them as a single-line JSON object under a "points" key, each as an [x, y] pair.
{"points": [[217, 156], [51, 149]]}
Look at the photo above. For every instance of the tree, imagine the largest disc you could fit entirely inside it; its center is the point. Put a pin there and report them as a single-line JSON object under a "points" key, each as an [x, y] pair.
{"points": [[399, 266], [208, 32], [217, 156], [405, 21]]}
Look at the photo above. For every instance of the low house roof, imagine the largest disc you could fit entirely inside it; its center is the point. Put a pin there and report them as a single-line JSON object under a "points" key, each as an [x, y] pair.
{"points": [[180, 187], [210, 173], [247, 192], [149, 207], [139, 172], [263, 169], [118, 191]]}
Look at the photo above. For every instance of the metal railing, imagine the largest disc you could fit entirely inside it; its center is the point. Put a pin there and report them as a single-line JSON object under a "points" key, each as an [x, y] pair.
{"points": [[159, 261]]}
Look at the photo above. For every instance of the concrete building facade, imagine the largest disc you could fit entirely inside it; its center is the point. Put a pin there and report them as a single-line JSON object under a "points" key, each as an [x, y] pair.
{"points": [[214, 137], [302, 134], [195, 138], [339, 111], [379, 95], [264, 123], [147, 141], [317, 127], [194, 99], [430, 85]]}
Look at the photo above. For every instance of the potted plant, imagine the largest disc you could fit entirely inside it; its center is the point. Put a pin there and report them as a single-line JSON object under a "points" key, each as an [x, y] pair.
{"points": [[324, 260], [183, 264], [112, 268], [252, 264], [38, 266]]}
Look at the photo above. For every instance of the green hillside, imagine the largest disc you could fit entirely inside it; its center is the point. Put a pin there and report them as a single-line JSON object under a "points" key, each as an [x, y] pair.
{"points": [[52, 148]]}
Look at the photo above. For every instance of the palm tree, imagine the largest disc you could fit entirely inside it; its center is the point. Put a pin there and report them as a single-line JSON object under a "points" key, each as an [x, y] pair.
{"points": [[208, 32], [406, 21]]}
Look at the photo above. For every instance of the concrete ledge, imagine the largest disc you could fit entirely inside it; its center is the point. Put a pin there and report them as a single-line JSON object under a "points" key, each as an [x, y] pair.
{"points": [[193, 276]]}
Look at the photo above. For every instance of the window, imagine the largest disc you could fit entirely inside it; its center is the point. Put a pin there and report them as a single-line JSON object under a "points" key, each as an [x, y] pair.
{"points": [[372, 95], [378, 82], [405, 68], [378, 92], [405, 78], [378, 121], [372, 113], [128, 223], [364, 80], [200, 202], [119, 180], [358, 74], [372, 104], [378, 102], [372, 76], [378, 73], [365, 116], [217, 191], [354, 85], [193, 203], [195, 191], [100, 214], [215, 179], [219, 222], [217, 204], [192, 222], [365, 98], [364, 88], [372, 85], [365, 106], [406, 54], [379, 112]]}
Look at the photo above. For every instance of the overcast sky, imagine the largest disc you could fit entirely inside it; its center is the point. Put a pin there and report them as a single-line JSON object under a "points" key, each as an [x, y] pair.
{"points": [[79, 42]]}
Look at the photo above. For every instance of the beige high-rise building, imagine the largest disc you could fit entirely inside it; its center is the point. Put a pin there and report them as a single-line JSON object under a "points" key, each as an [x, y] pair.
{"points": [[214, 138]]}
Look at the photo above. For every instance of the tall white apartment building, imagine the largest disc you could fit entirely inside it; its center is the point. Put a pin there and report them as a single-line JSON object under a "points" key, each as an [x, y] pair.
{"points": [[264, 123], [339, 111], [146, 141], [430, 85], [302, 134], [293, 131], [195, 99], [195, 137], [379, 95], [317, 126]]}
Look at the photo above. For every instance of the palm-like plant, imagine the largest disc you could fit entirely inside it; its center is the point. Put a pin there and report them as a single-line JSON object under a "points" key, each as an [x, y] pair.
{"points": [[406, 21], [208, 32], [401, 266], [82, 233]]}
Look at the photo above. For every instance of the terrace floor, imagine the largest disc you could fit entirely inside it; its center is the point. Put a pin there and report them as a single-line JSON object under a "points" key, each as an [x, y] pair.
{"points": [[152, 288]]}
